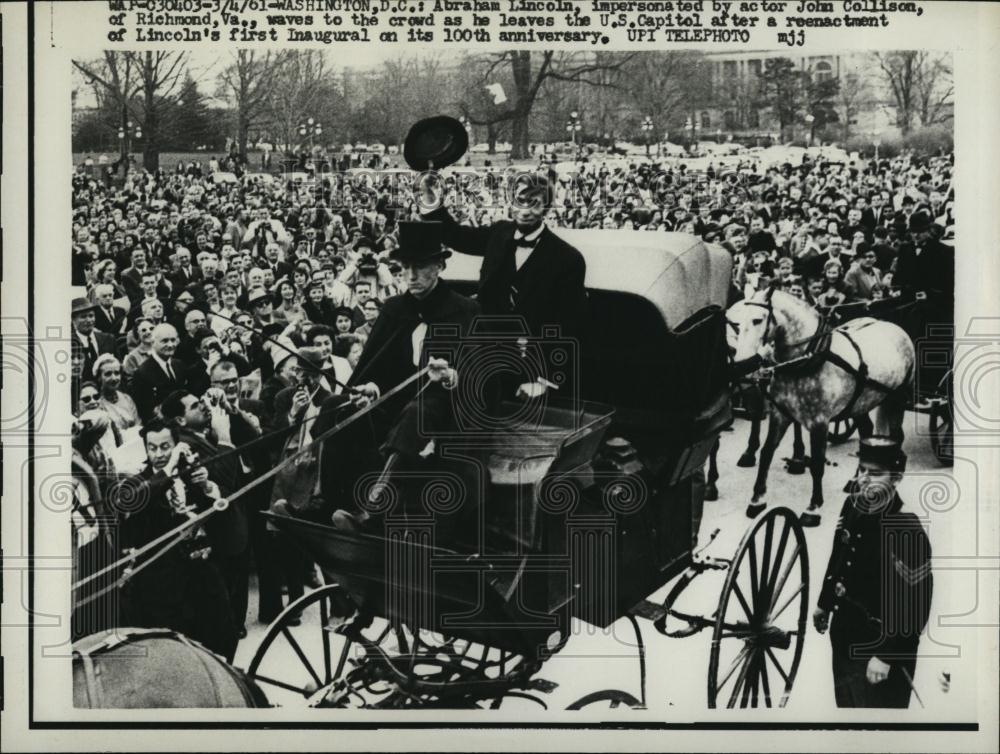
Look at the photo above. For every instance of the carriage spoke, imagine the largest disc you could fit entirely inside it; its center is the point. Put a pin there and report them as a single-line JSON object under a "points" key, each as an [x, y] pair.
{"points": [[760, 593], [743, 600], [765, 685], [342, 661], [732, 668], [784, 577], [298, 650], [752, 557], [787, 602], [280, 684], [740, 680], [780, 553], [754, 690], [777, 665]]}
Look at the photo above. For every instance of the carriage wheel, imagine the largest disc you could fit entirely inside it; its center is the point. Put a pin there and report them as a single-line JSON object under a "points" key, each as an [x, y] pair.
{"points": [[760, 624], [941, 430], [841, 430], [302, 631]]}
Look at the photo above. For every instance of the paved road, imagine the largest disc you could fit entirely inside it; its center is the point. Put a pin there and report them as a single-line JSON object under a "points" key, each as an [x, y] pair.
{"points": [[677, 668]]}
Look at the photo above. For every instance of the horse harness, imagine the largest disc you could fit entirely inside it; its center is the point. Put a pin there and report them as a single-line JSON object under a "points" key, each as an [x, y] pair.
{"points": [[817, 354]]}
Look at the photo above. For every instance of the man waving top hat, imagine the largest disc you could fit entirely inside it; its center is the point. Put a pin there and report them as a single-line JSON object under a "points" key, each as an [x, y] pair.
{"points": [[528, 271]]}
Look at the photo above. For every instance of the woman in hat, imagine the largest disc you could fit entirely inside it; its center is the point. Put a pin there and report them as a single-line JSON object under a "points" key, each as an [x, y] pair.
{"points": [[316, 307]]}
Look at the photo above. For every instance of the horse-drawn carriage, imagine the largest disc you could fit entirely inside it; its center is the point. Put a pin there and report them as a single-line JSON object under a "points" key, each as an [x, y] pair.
{"points": [[590, 503]]}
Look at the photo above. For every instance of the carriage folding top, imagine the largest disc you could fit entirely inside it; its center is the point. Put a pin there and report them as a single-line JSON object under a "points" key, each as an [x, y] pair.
{"points": [[594, 504]]}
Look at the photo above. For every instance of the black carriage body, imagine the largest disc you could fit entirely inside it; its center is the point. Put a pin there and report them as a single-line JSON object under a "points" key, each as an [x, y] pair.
{"points": [[614, 514]]}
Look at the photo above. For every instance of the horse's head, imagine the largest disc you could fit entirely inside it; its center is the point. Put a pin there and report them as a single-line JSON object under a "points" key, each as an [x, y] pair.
{"points": [[750, 324]]}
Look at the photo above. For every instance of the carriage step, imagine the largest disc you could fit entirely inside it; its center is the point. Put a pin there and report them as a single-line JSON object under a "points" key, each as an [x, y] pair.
{"points": [[649, 610]]}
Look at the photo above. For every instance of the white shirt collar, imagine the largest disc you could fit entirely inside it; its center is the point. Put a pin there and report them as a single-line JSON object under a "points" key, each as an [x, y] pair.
{"points": [[532, 236], [163, 364]]}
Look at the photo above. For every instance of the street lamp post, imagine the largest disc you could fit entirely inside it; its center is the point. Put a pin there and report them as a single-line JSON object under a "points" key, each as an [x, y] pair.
{"points": [[718, 135], [647, 128], [310, 128], [126, 133], [573, 126], [877, 141]]}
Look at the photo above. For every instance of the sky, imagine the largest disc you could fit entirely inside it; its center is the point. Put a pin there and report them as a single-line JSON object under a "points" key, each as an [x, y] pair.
{"points": [[205, 65]]}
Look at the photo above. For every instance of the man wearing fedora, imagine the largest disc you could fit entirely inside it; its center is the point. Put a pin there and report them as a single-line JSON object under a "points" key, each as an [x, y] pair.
{"points": [[413, 331], [92, 341], [876, 594]]}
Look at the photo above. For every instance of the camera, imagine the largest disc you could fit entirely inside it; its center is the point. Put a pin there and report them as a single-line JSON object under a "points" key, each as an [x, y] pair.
{"points": [[368, 264]]}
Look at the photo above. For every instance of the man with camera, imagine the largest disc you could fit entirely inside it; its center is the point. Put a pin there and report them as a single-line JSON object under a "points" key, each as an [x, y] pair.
{"points": [[183, 589], [212, 426], [878, 585]]}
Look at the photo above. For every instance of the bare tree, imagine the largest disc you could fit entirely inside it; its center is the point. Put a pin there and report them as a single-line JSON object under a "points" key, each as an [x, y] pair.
{"points": [[664, 86], [140, 84], [934, 88], [853, 97], [527, 79], [297, 92], [249, 83]]}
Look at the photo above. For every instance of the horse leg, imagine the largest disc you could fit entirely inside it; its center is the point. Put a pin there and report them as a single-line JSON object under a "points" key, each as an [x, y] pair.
{"points": [[749, 457], [776, 426], [711, 490], [866, 428], [817, 465], [891, 412], [797, 464]]}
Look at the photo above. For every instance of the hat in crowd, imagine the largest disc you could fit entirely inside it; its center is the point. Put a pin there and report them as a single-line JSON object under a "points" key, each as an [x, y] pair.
{"points": [[882, 451], [310, 356], [256, 296], [919, 222], [315, 283], [435, 143], [82, 305], [642, 215], [343, 311], [280, 348], [419, 242]]}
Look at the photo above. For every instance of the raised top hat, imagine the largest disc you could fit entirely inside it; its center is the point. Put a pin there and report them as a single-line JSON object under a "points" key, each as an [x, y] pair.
{"points": [[419, 242], [82, 305], [435, 143], [882, 451]]}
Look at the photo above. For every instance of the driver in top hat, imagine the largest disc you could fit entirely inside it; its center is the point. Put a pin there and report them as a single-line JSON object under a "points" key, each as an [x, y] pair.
{"points": [[408, 335], [876, 594], [528, 271]]}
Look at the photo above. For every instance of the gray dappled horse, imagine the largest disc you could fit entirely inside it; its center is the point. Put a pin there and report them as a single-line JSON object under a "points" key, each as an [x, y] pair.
{"points": [[821, 375]]}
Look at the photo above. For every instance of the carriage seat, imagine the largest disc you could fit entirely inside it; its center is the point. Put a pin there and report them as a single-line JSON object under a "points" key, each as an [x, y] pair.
{"points": [[556, 437]]}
